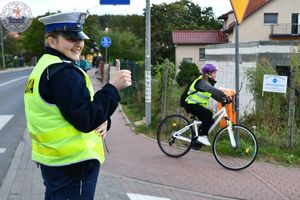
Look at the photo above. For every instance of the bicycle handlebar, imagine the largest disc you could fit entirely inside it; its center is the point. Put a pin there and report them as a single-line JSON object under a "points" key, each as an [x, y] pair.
{"points": [[226, 100]]}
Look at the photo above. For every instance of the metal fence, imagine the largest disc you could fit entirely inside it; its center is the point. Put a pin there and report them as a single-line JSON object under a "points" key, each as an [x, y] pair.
{"points": [[134, 95]]}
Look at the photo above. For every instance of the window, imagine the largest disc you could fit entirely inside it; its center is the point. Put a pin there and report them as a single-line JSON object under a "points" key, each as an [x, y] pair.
{"points": [[201, 53], [187, 60], [270, 18], [295, 23]]}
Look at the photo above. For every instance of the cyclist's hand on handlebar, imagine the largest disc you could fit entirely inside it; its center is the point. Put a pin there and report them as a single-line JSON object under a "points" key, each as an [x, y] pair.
{"points": [[226, 100]]}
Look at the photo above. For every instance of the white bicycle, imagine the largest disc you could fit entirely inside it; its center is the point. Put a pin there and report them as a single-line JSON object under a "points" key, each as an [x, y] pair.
{"points": [[235, 147]]}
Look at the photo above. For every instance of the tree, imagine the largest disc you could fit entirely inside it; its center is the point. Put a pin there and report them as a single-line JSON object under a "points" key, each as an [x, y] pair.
{"points": [[33, 39], [180, 15], [93, 28], [188, 72], [124, 45]]}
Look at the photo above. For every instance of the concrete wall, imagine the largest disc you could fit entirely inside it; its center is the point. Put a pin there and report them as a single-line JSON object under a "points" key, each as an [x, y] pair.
{"points": [[224, 57]]}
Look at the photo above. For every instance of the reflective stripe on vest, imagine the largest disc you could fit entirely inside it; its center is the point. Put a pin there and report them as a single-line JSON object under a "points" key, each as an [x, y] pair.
{"points": [[199, 97], [55, 142]]}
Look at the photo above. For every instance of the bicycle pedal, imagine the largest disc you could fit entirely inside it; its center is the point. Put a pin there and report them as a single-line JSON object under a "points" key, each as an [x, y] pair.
{"points": [[196, 145]]}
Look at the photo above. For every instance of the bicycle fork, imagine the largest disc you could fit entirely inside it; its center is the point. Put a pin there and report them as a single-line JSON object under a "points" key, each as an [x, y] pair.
{"points": [[230, 132]]}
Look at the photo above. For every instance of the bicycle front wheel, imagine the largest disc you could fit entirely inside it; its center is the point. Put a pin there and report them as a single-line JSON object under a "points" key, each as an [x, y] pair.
{"points": [[239, 157], [170, 144]]}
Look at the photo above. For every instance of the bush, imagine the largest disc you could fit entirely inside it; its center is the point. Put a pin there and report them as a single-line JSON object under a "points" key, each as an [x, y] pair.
{"points": [[187, 73], [271, 110]]}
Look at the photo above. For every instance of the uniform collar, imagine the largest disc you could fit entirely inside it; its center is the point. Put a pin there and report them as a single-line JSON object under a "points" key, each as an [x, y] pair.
{"points": [[54, 52]]}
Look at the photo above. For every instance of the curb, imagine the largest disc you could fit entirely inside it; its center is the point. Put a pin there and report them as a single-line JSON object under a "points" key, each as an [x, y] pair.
{"points": [[12, 170], [6, 70]]}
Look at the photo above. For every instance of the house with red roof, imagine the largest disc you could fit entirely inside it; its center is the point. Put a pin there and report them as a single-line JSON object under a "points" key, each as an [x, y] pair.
{"points": [[190, 44], [265, 20], [270, 29]]}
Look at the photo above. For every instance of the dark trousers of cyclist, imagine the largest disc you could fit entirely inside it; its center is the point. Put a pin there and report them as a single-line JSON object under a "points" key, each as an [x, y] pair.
{"points": [[203, 114], [74, 182]]}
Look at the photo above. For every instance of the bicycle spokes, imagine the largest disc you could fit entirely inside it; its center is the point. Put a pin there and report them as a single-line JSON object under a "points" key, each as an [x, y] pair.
{"points": [[174, 136], [240, 156]]}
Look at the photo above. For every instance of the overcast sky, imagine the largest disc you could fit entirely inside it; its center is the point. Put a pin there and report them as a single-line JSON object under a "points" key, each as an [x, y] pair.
{"points": [[40, 7]]}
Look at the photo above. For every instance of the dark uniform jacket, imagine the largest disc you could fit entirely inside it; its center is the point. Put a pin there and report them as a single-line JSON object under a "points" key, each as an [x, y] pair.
{"points": [[63, 84]]}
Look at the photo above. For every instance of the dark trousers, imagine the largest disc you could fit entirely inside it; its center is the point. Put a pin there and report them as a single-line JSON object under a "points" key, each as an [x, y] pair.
{"points": [[73, 182], [203, 114]]}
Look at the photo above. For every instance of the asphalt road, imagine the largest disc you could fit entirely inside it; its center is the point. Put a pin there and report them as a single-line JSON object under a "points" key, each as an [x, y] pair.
{"points": [[12, 118]]}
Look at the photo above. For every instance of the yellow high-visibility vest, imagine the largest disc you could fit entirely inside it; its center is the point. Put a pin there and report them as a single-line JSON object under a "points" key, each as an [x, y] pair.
{"points": [[55, 142], [199, 97]]}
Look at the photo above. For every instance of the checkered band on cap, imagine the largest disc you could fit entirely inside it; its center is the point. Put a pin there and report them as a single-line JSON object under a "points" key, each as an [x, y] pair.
{"points": [[69, 23]]}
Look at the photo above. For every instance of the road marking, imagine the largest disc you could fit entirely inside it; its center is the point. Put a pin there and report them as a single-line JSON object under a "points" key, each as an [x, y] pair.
{"points": [[4, 119], [12, 81], [2, 150], [144, 197]]}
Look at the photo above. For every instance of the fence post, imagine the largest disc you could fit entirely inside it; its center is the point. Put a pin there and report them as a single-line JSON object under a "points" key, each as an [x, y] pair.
{"points": [[106, 73], [291, 108], [164, 89]]}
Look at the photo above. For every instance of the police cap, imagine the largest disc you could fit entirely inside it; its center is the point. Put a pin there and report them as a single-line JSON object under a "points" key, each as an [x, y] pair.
{"points": [[70, 24]]}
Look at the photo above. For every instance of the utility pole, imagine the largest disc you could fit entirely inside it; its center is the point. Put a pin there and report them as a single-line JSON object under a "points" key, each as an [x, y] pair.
{"points": [[237, 72], [239, 8], [148, 65]]}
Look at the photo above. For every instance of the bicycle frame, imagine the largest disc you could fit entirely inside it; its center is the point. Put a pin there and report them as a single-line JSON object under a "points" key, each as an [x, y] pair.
{"points": [[218, 116]]}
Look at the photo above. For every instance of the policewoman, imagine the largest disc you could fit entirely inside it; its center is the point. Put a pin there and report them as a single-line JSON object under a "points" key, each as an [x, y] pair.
{"points": [[65, 118]]}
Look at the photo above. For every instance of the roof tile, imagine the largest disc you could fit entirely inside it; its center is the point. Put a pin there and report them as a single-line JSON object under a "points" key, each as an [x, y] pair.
{"points": [[198, 37]]}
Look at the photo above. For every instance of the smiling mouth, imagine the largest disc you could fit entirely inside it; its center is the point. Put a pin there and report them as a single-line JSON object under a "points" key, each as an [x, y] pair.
{"points": [[77, 51]]}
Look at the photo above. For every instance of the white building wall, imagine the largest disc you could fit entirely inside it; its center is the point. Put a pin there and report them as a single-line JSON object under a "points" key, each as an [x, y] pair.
{"points": [[224, 57], [188, 51], [253, 27]]}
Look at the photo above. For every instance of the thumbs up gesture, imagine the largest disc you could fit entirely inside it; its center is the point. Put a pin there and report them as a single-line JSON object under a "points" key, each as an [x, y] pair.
{"points": [[118, 65], [121, 78]]}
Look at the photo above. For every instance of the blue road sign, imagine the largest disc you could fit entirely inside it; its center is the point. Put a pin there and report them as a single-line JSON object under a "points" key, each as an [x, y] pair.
{"points": [[105, 42], [114, 2]]}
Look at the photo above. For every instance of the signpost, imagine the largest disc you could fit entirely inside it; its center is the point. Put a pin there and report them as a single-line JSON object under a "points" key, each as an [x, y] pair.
{"points": [[114, 2], [239, 8], [105, 42], [148, 65]]}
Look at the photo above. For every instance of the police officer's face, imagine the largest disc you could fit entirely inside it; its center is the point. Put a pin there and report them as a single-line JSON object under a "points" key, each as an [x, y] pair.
{"points": [[67, 46]]}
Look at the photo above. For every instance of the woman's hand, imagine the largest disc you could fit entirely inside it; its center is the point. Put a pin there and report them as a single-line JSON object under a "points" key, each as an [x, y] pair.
{"points": [[102, 130], [121, 78]]}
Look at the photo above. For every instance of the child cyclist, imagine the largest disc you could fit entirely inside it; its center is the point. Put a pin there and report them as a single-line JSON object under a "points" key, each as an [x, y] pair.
{"points": [[199, 94]]}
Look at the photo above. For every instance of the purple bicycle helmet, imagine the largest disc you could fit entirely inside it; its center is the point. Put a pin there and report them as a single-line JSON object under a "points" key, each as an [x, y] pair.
{"points": [[208, 68]]}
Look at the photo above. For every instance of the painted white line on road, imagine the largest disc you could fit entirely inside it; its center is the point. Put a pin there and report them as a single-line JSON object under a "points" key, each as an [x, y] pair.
{"points": [[144, 197], [2, 150], [12, 81], [4, 119]]}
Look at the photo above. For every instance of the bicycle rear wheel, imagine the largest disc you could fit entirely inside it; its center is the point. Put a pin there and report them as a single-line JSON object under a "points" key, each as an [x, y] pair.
{"points": [[242, 155], [167, 142]]}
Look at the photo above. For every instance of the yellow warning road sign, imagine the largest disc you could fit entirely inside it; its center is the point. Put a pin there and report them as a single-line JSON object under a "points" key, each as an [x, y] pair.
{"points": [[239, 8]]}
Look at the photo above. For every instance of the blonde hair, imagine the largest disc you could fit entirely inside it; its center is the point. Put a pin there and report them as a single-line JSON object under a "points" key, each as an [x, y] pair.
{"points": [[51, 34]]}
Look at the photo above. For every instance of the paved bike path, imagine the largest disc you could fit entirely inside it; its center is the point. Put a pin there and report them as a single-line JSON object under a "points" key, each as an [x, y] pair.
{"points": [[139, 157], [136, 165]]}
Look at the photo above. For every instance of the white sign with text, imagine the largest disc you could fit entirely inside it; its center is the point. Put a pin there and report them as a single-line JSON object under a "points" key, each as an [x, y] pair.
{"points": [[274, 83]]}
